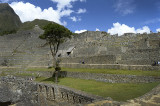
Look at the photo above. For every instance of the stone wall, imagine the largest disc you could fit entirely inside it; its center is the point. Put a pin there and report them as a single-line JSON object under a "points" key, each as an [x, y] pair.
{"points": [[90, 47], [131, 49], [111, 66], [113, 78], [22, 91], [23, 49], [106, 59]]}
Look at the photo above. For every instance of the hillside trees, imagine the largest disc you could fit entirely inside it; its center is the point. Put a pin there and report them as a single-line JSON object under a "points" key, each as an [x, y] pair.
{"points": [[55, 34]]}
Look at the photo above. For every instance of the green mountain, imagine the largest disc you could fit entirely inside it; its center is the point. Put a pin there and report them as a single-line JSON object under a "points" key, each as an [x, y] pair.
{"points": [[9, 20], [31, 24]]}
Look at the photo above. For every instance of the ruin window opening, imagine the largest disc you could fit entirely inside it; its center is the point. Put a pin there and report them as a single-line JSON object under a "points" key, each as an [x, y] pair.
{"points": [[5, 103], [68, 53], [145, 39], [59, 55]]}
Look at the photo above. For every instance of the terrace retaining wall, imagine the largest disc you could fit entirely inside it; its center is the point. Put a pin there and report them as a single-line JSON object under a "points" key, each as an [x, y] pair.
{"points": [[111, 66]]}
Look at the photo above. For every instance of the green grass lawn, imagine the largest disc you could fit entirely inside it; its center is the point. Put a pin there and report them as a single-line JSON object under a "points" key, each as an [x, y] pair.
{"points": [[117, 91], [104, 71], [39, 69]]}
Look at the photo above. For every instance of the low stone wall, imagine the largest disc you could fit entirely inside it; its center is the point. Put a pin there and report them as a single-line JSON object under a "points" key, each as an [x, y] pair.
{"points": [[64, 94], [112, 78], [24, 91], [111, 66], [106, 59]]}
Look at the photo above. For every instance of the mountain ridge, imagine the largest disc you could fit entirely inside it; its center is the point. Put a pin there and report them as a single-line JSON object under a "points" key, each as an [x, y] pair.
{"points": [[9, 20]]}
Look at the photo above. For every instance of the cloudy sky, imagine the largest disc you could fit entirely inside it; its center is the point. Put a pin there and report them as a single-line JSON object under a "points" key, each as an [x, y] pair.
{"points": [[113, 16]]}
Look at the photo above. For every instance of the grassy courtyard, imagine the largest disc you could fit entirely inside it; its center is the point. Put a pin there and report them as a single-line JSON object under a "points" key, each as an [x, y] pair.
{"points": [[117, 91], [104, 71]]}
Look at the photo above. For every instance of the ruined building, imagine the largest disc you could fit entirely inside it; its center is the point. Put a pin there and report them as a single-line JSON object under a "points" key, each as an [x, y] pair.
{"points": [[26, 49]]}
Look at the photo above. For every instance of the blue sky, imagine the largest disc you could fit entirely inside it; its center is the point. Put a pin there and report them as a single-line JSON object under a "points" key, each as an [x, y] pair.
{"points": [[113, 16]]}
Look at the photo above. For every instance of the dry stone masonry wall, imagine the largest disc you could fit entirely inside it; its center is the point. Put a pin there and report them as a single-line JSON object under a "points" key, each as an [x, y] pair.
{"points": [[23, 91], [25, 49], [133, 49]]}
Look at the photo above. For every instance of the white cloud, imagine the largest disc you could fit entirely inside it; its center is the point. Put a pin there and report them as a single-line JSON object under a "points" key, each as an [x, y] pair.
{"points": [[158, 30], [81, 11], [124, 7], [64, 23], [145, 29], [66, 12], [29, 12], [83, 0], [80, 31], [97, 29], [120, 29], [75, 19], [62, 4]]}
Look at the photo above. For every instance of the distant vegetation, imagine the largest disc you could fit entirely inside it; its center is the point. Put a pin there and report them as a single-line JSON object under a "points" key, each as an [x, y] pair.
{"points": [[8, 32], [11, 23], [26, 26], [31, 24]]}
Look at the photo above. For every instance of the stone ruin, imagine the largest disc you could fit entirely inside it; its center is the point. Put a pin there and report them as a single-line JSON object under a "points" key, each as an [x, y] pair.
{"points": [[19, 91], [102, 48], [26, 49], [93, 48]]}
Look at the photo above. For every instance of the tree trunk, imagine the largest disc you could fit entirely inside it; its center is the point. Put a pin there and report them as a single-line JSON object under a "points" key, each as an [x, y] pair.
{"points": [[55, 60]]}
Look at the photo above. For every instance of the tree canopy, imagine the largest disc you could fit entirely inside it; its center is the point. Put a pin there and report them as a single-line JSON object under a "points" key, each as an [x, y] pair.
{"points": [[55, 34]]}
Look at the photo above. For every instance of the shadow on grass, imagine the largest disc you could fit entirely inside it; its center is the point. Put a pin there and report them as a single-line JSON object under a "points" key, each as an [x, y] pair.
{"points": [[51, 79]]}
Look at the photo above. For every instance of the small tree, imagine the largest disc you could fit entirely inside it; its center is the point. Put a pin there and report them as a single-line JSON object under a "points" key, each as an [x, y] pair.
{"points": [[55, 34]]}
